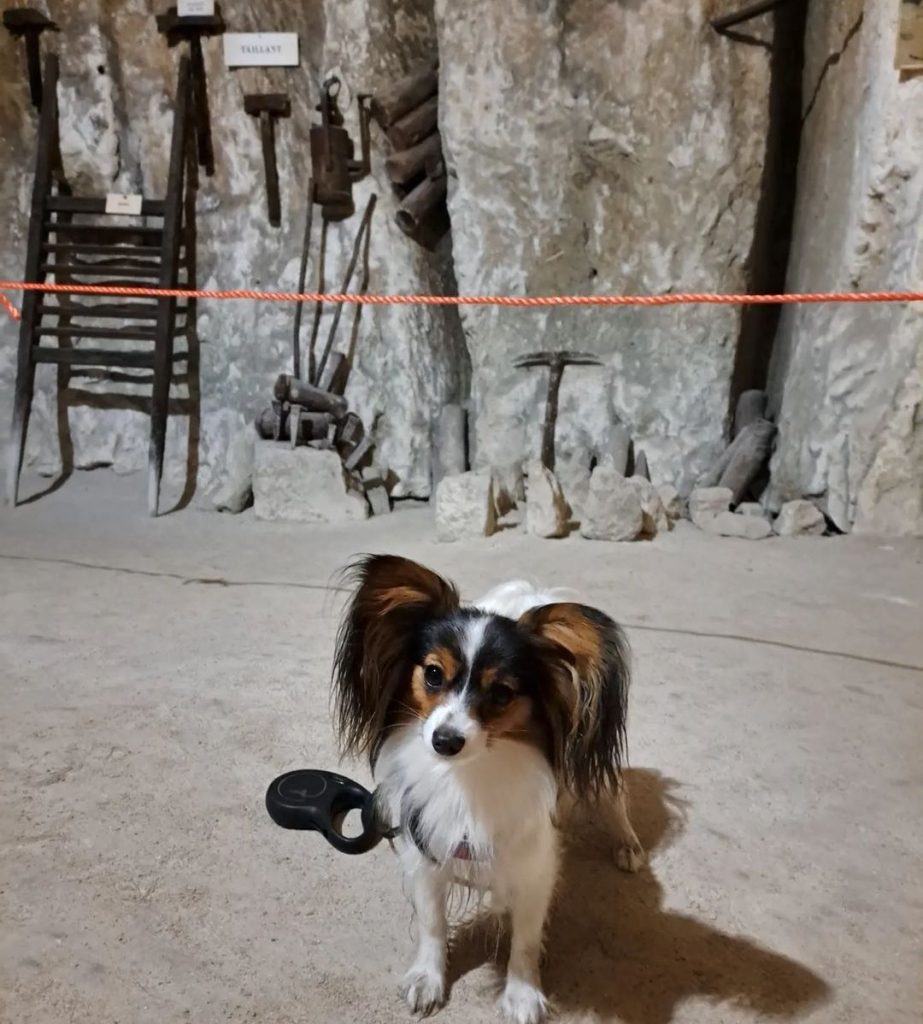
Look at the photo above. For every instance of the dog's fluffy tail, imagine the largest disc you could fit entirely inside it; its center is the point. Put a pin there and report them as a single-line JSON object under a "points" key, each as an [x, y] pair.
{"points": [[514, 598]]}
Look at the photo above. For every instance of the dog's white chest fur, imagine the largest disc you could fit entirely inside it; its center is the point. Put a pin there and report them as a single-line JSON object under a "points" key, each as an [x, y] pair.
{"points": [[497, 808]]}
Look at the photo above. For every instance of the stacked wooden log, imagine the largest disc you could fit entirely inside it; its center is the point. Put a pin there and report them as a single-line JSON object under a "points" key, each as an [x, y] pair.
{"points": [[407, 113], [302, 413], [743, 462]]}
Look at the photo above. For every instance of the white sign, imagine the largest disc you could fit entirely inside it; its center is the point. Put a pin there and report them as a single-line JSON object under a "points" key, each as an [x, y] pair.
{"points": [[195, 8], [122, 202], [261, 49]]}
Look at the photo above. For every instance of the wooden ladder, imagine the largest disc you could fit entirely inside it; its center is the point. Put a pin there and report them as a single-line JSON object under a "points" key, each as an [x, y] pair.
{"points": [[74, 240]]}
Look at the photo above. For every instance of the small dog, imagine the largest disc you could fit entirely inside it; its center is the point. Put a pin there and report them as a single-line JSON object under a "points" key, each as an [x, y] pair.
{"points": [[476, 720]]}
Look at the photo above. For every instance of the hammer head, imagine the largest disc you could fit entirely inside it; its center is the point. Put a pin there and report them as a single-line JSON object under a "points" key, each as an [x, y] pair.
{"points": [[20, 20], [276, 104], [561, 358], [176, 28]]}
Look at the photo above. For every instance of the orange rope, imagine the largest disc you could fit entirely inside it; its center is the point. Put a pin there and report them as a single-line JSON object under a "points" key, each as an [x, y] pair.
{"points": [[524, 301]]}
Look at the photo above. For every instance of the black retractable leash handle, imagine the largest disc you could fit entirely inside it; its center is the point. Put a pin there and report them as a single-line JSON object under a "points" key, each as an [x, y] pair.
{"points": [[315, 800]]}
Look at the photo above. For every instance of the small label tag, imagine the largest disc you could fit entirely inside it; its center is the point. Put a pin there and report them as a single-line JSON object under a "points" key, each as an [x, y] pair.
{"points": [[261, 49], [195, 8], [121, 202]]}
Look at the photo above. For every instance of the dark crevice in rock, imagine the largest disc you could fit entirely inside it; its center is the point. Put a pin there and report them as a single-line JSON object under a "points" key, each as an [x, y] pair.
{"points": [[830, 62], [772, 233]]}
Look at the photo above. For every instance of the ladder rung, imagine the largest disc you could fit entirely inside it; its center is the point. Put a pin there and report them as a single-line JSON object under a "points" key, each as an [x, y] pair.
{"points": [[101, 230], [75, 270], [92, 357], [122, 333], [105, 311], [102, 357], [89, 249], [97, 204]]}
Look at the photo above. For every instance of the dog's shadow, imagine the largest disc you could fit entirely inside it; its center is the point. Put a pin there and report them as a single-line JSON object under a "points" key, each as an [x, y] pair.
{"points": [[613, 950]]}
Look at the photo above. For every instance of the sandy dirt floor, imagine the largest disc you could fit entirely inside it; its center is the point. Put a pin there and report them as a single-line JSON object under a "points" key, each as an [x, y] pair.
{"points": [[156, 675]]}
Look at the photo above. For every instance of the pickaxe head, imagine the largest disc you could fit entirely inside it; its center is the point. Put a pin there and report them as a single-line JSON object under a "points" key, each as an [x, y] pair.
{"points": [[561, 358]]}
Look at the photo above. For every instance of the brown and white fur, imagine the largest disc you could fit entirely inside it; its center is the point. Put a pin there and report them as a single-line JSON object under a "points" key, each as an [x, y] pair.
{"points": [[478, 721]]}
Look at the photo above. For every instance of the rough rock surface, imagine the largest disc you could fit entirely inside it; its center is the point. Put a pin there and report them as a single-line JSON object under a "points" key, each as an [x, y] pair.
{"points": [[601, 147], [848, 380], [235, 491], [465, 506], [656, 519], [302, 485], [799, 517], [730, 524], [706, 502], [751, 508], [509, 487], [613, 507], [573, 474], [547, 512], [671, 500], [117, 83]]}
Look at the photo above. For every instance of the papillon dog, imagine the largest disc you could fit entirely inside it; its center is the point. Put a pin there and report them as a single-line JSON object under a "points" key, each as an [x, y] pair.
{"points": [[477, 721]]}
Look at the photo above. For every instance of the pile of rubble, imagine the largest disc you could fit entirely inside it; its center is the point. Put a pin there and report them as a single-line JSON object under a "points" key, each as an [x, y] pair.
{"points": [[615, 508], [615, 499]]}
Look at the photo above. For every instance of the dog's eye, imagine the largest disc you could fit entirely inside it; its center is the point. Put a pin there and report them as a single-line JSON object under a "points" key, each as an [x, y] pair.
{"points": [[433, 677], [501, 696]]}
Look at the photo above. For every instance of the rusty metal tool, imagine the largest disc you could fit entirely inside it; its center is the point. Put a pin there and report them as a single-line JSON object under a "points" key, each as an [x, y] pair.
{"points": [[29, 24], [333, 165], [268, 106], [555, 361]]}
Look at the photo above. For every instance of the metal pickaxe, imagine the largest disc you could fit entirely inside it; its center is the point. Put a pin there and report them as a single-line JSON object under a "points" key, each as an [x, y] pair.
{"points": [[555, 361]]}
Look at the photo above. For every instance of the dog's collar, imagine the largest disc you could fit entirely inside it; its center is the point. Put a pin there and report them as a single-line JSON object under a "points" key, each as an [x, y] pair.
{"points": [[410, 825]]}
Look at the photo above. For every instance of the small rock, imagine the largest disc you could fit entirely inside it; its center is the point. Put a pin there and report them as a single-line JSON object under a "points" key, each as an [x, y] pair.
{"points": [[671, 500], [465, 506], [574, 477], [729, 524], [641, 467], [799, 517], [302, 485], [656, 519], [750, 508], [615, 446], [547, 513], [235, 492], [613, 507], [449, 443], [509, 486], [511, 520], [705, 502]]}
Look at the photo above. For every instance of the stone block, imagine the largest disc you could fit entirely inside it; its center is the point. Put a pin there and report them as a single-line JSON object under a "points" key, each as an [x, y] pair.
{"points": [[613, 507], [465, 506], [800, 517], [547, 512], [729, 524], [671, 500], [302, 485], [705, 502]]}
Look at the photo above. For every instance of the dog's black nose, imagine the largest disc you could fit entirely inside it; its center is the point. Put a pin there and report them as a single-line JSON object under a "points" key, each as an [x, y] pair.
{"points": [[447, 742]]}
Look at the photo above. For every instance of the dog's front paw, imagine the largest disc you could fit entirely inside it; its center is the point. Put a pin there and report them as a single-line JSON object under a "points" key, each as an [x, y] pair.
{"points": [[522, 1003], [423, 989], [630, 857]]}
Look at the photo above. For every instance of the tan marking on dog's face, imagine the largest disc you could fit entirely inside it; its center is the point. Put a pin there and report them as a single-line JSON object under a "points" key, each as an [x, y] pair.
{"points": [[425, 699], [513, 721]]}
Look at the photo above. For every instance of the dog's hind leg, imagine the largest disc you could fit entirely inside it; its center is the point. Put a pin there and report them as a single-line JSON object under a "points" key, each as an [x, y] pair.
{"points": [[629, 853], [423, 986]]}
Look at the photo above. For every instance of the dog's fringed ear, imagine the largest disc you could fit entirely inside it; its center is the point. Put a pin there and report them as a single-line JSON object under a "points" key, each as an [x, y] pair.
{"points": [[588, 660], [391, 596]]}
